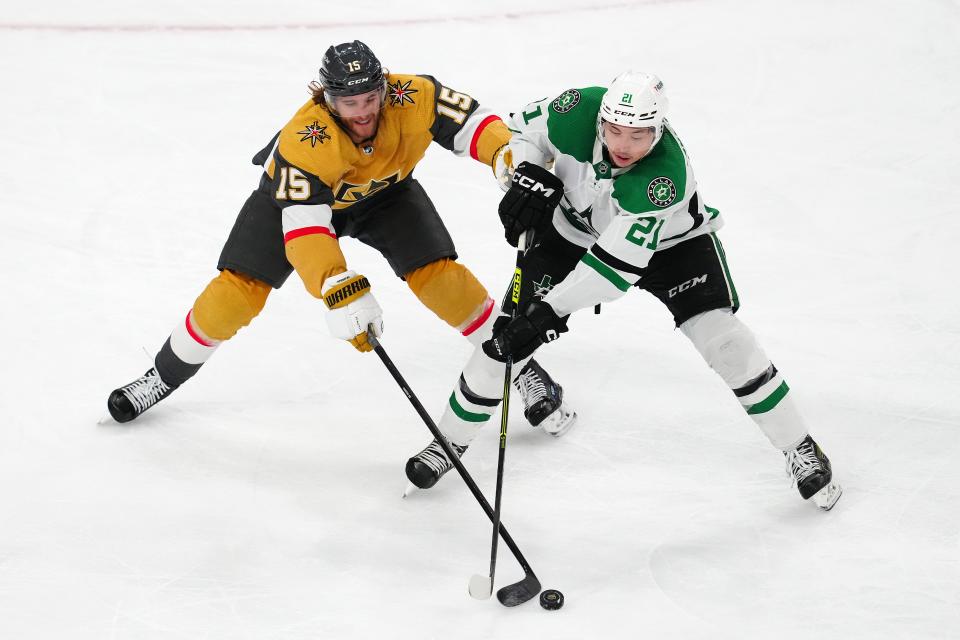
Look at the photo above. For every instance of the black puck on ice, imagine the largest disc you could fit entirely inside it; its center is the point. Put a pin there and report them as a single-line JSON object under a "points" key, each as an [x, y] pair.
{"points": [[551, 599]]}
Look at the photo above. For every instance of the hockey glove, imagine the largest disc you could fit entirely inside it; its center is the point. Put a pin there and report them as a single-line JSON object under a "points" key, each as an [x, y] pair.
{"points": [[529, 203], [352, 308], [524, 334]]}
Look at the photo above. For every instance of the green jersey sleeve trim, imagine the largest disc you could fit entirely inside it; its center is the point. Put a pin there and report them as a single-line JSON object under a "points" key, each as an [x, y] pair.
{"points": [[606, 271]]}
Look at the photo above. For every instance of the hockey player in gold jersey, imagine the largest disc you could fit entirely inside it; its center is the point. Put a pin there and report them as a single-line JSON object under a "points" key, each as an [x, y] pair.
{"points": [[340, 167]]}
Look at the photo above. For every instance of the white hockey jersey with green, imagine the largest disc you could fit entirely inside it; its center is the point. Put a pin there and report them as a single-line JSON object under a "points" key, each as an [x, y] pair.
{"points": [[622, 215]]}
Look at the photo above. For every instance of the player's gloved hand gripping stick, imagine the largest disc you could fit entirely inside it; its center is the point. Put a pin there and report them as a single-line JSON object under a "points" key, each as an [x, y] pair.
{"points": [[353, 313], [529, 203]]}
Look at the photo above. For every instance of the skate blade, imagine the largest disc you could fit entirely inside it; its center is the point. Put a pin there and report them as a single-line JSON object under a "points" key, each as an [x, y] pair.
{"points": [[560, 421], [107, 419], [827, 496], [410, 490]]}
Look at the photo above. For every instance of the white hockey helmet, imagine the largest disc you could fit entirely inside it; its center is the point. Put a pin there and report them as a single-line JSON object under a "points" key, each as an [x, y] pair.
{"points": [[634, 99]]}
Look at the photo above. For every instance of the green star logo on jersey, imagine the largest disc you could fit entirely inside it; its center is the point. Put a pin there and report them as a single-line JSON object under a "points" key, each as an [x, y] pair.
{"points": [[543, 287], [566, 101], [314, 133], [662, 192]]}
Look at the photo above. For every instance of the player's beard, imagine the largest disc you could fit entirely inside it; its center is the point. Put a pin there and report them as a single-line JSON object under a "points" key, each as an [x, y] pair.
{"points": [[364, 132]]}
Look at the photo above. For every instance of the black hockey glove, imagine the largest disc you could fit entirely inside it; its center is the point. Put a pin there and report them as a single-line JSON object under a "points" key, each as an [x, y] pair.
{"points": [[534, 194], [524, 334]]}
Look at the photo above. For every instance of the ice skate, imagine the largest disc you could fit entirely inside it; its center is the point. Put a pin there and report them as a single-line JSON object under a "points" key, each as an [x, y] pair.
{"points": [[810, 469], [129, 401], [543, 403], [428, 466]]}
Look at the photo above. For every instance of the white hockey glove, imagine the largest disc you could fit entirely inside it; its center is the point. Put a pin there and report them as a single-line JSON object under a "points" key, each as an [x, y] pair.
{"points": [[352, 308]]}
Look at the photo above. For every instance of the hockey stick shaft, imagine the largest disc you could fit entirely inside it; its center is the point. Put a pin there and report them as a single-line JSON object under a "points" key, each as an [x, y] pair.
{"points": [[448, 450], [505, 408]]}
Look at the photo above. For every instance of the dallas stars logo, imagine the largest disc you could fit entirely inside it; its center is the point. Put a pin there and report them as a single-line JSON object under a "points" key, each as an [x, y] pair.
{"points": [[662, 191], [314, 133], [400, 93], [566, 101]]}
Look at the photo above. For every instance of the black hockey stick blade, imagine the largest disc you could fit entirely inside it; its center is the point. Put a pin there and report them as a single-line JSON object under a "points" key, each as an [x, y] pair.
{"points": [[519, 592]]}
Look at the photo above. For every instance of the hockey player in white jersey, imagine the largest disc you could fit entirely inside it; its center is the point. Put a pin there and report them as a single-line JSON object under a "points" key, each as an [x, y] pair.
{"points": [[622, 209]]}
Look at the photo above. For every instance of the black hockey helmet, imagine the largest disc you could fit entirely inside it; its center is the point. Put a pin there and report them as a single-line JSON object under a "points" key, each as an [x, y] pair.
{"points": [[350, 69]]}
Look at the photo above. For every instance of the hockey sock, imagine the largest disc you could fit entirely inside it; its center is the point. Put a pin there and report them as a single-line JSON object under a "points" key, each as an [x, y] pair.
{"points": [[766, 401], [732, 351], [475, 397], [451, 291], [184, 352], [228, 303]]}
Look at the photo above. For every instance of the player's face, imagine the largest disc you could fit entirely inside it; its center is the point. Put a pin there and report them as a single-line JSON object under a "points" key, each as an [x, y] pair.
{"points": [[360, 114], [627, 144]]}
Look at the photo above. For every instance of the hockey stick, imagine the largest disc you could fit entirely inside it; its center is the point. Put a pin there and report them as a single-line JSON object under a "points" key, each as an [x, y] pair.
{"points": [[482, 586], [512, 594]]}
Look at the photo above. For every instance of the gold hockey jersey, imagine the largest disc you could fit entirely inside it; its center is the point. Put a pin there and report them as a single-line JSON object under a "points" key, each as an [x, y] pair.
{"points": [[312, 166]]}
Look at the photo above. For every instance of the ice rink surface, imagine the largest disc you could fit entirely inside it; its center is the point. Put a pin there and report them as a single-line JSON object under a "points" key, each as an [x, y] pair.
{"points": [[262, 500]]}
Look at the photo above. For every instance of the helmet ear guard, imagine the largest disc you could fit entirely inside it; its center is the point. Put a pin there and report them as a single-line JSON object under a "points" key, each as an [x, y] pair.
{"points": [[634, 99]]}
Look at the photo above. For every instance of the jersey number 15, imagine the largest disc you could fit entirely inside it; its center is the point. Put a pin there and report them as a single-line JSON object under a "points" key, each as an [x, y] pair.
{"points": [[454, 99]]}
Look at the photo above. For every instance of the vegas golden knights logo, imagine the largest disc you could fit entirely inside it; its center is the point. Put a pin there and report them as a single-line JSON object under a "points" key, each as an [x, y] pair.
{"points": [[353, 193]]}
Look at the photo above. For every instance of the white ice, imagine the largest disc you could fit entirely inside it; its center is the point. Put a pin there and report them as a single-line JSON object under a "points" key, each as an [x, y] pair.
{"points": [[262, 500]]}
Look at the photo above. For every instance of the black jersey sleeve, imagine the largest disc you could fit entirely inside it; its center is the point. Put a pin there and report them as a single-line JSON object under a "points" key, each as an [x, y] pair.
{"points": [[454, 111]]}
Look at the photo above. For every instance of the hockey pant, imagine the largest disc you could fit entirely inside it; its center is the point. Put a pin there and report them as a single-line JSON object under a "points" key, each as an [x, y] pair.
{"points": [[732, 351], [232, 300]]}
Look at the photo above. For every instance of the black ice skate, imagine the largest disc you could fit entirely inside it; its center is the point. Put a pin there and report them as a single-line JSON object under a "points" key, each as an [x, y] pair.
{"points": [[810, 469], [129, 401], [543, 400], [428, 466]]}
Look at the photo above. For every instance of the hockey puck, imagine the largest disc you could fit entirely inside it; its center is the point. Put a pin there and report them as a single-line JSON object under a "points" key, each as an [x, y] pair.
{"points": [[551, 599]]}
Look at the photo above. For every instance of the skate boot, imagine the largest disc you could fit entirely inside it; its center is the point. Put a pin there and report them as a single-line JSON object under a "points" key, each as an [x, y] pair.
{"points": [[129, 401], [810, 469], [543, 400], [428, 466]]}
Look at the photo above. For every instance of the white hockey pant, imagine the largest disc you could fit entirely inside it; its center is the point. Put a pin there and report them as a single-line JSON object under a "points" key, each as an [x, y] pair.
{"points": [[731, 349]]}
